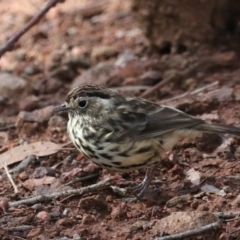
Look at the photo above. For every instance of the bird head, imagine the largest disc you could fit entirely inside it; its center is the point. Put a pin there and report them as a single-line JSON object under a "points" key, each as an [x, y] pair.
{"points": [[90, 101]]}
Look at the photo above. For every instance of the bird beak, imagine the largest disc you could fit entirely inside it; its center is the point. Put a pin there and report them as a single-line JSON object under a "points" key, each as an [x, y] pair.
{"points": [[60, 108]]}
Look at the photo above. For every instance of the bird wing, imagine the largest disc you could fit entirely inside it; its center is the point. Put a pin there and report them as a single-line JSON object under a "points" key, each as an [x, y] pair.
{"points": [[150, 120], [165, 120]]}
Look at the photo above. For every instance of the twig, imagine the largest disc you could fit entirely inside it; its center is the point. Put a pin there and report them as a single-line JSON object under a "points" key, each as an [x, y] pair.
{"points": [[227, 215], [15, 237], [198, 90], [233, 177], [75, 180], [92, 188], [234, 231], [190, 93], [7, 127], [64, 199], [191, 70], [19, 228], [10, 177], [23, 164], [232, 219], [10, 43], [131, 88], [193, 232]]}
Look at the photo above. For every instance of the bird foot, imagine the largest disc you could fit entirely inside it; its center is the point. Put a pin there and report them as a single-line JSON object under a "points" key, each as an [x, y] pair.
{"points": [[140, 190]]}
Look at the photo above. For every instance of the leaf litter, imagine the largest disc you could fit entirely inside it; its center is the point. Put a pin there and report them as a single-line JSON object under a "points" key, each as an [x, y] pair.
{"points": [[18, 153]]}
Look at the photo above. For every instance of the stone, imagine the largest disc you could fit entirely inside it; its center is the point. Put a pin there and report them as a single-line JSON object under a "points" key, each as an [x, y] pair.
{"points": [[10, 84], [98, 74]]}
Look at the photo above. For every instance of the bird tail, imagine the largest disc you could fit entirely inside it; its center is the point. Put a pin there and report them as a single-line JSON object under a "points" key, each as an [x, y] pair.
{"points": [[218, 128]]}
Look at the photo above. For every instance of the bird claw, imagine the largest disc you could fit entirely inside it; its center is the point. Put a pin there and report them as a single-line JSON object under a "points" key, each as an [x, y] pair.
{"points": [[143, 186], [137, 188]]}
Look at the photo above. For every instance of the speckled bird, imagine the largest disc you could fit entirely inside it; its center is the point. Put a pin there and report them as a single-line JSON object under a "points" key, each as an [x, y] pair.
{"points": [[128, 133]]}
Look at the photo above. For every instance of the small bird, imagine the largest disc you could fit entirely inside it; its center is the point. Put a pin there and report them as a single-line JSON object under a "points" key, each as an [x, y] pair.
{"points": [[127, 133]]}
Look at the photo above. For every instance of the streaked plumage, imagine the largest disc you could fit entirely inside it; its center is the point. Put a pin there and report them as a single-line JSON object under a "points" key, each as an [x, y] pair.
{"points": [[123, 133]]}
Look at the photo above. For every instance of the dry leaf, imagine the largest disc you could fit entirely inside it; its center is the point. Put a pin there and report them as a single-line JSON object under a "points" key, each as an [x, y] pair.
{"points": [[18, 153], [30, 184]]}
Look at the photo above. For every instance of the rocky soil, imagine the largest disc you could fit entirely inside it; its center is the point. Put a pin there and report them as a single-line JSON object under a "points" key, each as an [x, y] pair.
{"points": [[101, 43]]}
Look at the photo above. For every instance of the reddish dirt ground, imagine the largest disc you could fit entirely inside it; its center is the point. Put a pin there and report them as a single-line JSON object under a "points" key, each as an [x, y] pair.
{"points": [[64, 50]]}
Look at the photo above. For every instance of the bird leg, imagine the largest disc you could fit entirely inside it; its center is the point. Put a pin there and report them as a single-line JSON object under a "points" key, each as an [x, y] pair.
{"points": [[143, 186]]}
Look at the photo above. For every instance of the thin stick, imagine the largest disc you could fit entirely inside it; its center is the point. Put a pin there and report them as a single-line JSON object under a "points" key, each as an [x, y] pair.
{"points": [[191, 70], [131, 88], [75, 180], [7, 127], [193, 232], [10, 43], [19, 228], [190, 93], [92, 188], [237, 230], [10, 177], [227, 215], [232, 219]]}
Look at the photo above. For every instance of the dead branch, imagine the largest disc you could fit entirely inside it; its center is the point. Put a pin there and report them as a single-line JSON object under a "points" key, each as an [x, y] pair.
{"points": [[92, 188], [193, 232], [8, 46], [227, 215], [82, 179], [190, 93], [131, 88], [23, 164], [19, 228], [5, 128], [174, 77]]}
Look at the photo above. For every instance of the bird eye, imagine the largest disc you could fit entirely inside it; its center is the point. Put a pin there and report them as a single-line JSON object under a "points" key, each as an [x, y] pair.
{"points": [[82, 103]]}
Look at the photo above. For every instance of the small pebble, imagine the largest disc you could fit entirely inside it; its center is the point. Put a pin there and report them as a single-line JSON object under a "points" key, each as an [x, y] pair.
{"points": [[44, 216]]}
